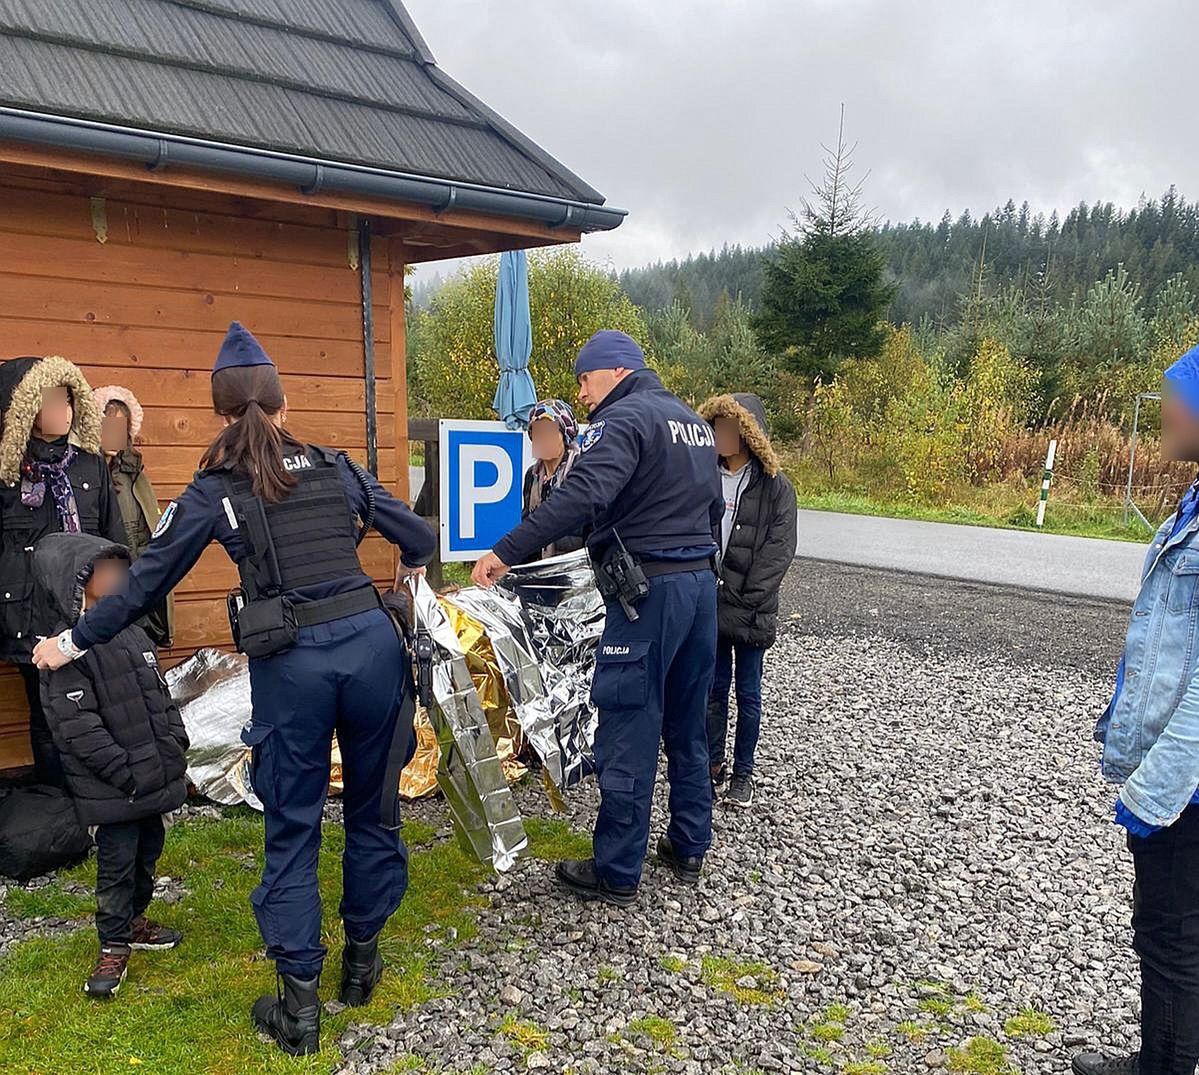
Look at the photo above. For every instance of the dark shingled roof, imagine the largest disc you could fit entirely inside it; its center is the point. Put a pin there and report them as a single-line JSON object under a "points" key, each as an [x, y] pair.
{"points": [[345, 81]]}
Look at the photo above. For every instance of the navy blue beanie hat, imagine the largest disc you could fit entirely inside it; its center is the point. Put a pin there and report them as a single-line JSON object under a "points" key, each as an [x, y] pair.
{"points": [[240, 349], [609, 350]]}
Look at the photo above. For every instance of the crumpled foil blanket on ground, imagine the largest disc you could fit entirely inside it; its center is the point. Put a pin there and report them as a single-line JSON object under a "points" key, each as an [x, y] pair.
{"points": [[512, 665], [469, 774], [212, 690]]}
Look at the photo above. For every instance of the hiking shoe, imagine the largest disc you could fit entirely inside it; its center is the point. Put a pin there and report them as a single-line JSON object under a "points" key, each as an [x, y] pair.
{"points": [[109, 971], [152, 936], [685, 867], [293, 1016], [741, 791], [580, 879], [1098, 1064], [361, 969]]}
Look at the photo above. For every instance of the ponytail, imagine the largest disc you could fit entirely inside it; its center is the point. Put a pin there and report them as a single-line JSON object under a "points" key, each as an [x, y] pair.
{"points": [[252, 444]]}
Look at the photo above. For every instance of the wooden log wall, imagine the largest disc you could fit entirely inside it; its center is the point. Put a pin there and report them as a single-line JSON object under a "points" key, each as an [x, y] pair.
{"points": [[148, 307]]}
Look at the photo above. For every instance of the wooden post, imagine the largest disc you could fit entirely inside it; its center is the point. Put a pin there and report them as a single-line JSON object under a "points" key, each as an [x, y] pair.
{"points": [[428, 506]]}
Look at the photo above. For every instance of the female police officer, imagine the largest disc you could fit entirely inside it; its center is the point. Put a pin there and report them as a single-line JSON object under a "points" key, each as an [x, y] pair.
{"points": [[323, 656]]}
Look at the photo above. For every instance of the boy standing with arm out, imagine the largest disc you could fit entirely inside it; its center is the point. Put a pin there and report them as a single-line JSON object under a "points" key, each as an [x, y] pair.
{"points": [[123, 749]]}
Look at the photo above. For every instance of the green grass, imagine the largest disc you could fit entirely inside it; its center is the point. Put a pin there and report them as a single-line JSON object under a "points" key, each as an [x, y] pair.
{"points": [[525, 1035], [974, 1003], [724, 974], [878, 1050], [553, 840], [913, 1031], [827, 1031], [816, 1052], [606, 975], [838, 1013], [1098, 520], [673, 964], [1028, 1024], [863, 1067], [455, 574], [662, 1033], [981, 1056], [187, 1010], [938, 1006]]}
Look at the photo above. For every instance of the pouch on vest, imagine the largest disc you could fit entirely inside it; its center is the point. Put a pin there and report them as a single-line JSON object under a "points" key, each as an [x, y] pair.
{"points": [[263, 627]]}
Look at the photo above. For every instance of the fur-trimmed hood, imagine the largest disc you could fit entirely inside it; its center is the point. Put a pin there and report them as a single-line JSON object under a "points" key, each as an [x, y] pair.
{"points": [[118, 393], [22, 382], [750, 414]]}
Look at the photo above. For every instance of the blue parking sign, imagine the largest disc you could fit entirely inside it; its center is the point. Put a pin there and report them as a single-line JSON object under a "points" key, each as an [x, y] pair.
{"points": [[482, 475]]}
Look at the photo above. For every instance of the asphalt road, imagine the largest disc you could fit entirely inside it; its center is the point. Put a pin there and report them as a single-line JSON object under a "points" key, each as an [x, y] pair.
{"points": [[1051, 562]]}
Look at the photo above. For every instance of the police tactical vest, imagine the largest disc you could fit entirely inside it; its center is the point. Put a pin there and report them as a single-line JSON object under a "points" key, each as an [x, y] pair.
{"points": [[310, 536]]}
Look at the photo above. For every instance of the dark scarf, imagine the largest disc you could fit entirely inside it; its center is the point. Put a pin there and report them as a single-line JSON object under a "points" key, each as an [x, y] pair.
{"points": [[45, 467]]}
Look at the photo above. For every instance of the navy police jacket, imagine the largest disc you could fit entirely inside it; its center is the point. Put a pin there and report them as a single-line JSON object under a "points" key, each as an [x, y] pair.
{"points": [[647, 469], [200, 516]]}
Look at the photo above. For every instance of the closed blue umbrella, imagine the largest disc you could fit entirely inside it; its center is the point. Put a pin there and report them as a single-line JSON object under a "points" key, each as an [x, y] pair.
{"points": [[516, 394]]}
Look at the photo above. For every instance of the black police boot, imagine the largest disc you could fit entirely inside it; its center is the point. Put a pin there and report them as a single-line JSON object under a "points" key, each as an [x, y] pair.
{"points": [[361, 969], [685, 868], [1098, 1064], [579, 878], [293, 1016]]}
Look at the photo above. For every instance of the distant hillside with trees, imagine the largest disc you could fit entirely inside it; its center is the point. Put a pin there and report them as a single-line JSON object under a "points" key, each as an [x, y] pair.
{"points": [[933, 266]]}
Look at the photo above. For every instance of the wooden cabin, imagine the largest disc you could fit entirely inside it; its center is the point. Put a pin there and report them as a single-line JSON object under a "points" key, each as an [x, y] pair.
{"points": [[168, 166]]}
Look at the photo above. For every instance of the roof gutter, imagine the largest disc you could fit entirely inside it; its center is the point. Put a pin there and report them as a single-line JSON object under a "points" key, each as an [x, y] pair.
{"points": [[308, 175]]}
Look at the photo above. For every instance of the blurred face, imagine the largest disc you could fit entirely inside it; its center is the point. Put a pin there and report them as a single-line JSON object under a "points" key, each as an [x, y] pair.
{"points": [[595, 386], [55, 418], [546, 439], [1180, 429], [114, 429], [728, 437], [108, 576]]}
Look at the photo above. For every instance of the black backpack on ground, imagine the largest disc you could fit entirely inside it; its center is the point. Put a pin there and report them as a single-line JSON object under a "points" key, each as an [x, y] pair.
{"points": [[39, 833]]}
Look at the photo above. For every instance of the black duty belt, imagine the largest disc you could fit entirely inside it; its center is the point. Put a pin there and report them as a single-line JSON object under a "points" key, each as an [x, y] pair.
{"points": [[653, 568], [328, 609]]}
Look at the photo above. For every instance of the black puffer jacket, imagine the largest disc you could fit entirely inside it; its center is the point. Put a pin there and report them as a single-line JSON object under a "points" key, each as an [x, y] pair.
{"points": [[121, 738], [762, 542], [25, 610]]}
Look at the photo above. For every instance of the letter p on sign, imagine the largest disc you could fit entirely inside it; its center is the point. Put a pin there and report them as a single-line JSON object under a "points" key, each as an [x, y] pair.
{"points": [[474, 488], [482, 467]]}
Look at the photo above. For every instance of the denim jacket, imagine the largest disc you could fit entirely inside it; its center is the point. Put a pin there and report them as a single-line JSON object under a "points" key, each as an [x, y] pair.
{"points": [[1150, 731]]}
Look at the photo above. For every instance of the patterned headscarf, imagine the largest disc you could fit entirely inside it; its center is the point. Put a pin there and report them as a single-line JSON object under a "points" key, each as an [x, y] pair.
{"points": [[558, 411]]}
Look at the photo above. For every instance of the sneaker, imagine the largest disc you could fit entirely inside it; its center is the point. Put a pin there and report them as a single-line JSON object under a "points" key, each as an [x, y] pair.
{"points": [[152, 936], [741, 791], [1098, 1064], [109, 971], [720, 775]]}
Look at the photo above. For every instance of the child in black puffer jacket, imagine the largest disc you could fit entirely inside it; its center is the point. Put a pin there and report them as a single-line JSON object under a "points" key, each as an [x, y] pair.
{"points": [[123, 749]]}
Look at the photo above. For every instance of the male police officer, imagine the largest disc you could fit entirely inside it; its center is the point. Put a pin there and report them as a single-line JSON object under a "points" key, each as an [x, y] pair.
{"points": [[646, 482]]}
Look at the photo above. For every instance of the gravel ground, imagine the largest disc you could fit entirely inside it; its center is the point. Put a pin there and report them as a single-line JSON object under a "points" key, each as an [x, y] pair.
{"points": [[930, 855]]}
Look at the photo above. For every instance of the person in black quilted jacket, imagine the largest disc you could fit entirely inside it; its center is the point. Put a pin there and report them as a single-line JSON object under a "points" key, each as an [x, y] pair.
{"points": [[123, 748]]}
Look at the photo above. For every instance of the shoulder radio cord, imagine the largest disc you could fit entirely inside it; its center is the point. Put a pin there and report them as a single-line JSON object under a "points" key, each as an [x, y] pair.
{"points": [[369, 519]]}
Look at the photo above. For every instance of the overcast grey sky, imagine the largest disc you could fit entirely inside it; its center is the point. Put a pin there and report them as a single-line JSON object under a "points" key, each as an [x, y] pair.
{"points": [[701, 118]]}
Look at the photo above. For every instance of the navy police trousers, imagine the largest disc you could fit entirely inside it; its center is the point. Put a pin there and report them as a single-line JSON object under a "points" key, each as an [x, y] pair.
{"points": [[652, 679], [346, 676]]}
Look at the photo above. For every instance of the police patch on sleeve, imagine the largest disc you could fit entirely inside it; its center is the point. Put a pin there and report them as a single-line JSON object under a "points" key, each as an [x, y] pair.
{"points": [[592, 437], [165, 520]]}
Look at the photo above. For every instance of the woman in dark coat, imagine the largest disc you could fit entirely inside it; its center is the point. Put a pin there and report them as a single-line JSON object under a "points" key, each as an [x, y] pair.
{"points": [[52, 479], [757, 544]]}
